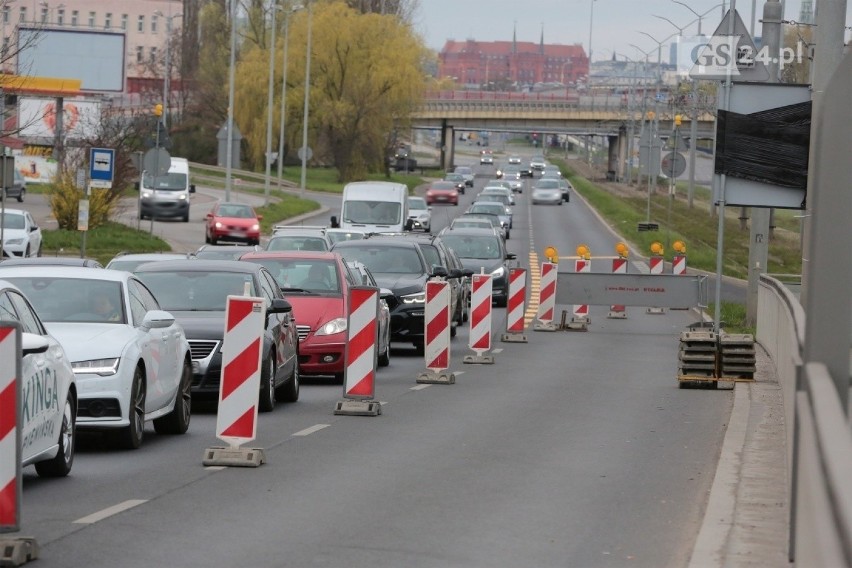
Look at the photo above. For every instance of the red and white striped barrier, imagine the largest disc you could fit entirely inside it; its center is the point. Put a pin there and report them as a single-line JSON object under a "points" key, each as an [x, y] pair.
{"points": [[437, 333], [359, 383], [679, 264], [480, 319], [516, 306], [656, 265], [242, 348], [547, 298], [581, 311], [619, 266], [10, 432]]}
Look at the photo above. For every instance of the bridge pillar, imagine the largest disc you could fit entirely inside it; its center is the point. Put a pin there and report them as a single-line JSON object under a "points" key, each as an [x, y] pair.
{"points": [[448, 146], [614, 150], [621, 157]]}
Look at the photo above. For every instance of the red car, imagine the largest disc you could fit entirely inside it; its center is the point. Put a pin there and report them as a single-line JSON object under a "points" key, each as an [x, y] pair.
{"points": [[317, 285], [442, 192], [232, 222]]}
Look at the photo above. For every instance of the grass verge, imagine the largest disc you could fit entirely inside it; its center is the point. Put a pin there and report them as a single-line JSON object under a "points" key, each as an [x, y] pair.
{"points": [[287, 207], [733, 317], [102, 243]]}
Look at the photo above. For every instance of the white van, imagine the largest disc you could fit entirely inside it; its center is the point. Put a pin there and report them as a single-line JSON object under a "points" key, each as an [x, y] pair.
{"points": [[374, 207], [166, 195]]}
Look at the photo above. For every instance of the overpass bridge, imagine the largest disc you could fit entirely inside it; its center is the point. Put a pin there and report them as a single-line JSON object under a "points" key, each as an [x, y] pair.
{"points": [[608, 117]]}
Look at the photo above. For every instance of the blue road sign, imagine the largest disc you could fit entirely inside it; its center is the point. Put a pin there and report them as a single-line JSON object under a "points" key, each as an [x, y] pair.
{"points": [[101, 167]]}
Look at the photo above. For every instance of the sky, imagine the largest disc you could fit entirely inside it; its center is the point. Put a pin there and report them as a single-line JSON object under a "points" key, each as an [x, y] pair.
{"points": [[615, 23]]}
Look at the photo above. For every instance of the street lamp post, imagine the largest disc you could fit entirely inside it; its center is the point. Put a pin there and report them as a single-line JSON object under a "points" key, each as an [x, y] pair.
{"points": [[305, 111], [167, 73], [679, 28], [700, 16], [269, 99], [591, 21], [229, 146], [282, 122]]}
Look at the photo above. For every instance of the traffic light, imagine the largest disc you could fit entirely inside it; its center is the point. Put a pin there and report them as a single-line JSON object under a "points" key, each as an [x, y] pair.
{"points": [[158, 109]]}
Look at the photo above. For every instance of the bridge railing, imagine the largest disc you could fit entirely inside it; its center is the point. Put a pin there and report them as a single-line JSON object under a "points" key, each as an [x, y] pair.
{"points": [[819, 440]]}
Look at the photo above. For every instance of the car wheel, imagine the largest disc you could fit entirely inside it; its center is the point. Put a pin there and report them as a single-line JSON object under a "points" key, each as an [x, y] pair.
{"points": [[453, 329], [38, 252], [267, 386], [60, 465], [27, 252], [384, 358], [560, 203], [289, 391], [420, 347], [21, 196], [507, 235], [213, 240], [501, 302], [130, 437], [177, 421], [185, 218], [339, 378]]}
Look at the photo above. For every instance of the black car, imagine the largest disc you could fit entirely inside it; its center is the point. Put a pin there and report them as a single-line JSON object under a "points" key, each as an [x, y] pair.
{"points": [[441, 259], [483, 249], [195, 292], [400, 266]]}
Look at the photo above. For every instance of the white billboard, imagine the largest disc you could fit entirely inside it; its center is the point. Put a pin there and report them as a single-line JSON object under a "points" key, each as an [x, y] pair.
{"points": [[37, 118], [94, 57]]}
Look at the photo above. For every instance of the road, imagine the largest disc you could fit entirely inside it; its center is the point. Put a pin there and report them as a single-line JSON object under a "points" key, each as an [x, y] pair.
{"points": [[575, 449]]}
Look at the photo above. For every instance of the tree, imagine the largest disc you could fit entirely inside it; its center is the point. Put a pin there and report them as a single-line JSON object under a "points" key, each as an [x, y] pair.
{"points": [[798, 41], [361, 88]]}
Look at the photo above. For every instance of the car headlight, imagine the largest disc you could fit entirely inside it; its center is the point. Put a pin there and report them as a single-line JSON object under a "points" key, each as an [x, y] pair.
{"points": [[15, 242], [218, 225], [102, 367], [255, 227], [418, 298], [182, 196], [334, 326], [146, 195], [499, 272]]}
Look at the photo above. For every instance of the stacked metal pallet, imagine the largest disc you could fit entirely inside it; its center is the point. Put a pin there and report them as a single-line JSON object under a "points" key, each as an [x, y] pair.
{"points": [[737, 356], [697, 356]]}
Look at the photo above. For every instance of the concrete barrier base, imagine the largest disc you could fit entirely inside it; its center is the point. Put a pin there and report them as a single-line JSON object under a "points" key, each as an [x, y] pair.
{"points": [[484, 359], [17, 551], [513, 338], [234, 457], [349, 407], [432, 378], [544, 326]]}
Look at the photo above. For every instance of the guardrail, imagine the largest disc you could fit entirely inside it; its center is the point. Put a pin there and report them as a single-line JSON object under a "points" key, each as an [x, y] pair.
{"points": [[819, 441]]}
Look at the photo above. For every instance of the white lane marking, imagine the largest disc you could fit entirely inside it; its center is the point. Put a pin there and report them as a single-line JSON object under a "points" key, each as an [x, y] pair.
{"points": [[498, 350], [214, 467], [457, 373], [420, 387], [311, 430], [110, 511]]}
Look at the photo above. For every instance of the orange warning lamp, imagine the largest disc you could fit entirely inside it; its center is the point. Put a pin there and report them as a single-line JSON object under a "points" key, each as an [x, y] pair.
{"points": [[158, 109], [679, 246], [551, 254], [657, 248], [584, 252], [621, 249], [650, 115], [678, 120]]}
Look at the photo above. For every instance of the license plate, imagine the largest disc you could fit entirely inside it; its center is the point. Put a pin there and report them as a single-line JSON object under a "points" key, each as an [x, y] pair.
{"points": [[237, 233]]}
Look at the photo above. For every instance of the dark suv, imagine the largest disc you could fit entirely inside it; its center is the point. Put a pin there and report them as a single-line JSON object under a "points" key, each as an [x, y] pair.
{"points": [[399, 265], [483, 250]]}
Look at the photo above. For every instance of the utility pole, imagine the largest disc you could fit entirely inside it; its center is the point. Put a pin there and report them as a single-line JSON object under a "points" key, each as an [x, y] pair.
{"points": [[758, 250]]}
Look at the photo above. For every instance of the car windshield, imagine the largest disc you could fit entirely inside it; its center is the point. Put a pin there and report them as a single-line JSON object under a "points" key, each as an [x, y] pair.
{"points": [[337, 236], [372, 212], [471, 223], [547, 184], [13, 221], [128, 265], [442, 186], [235, 211], [302, 274], [73, 299], [490, 218], [385, 260], [454, 177], [488, 207], [230, 253], [196, 290], [416, 203], [495, 197], [474, 246], [297, 243], [172, 181]]}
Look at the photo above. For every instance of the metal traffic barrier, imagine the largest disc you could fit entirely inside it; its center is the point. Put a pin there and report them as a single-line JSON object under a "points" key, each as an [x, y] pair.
{"points": [[583, 264], [516, 307], [236, 418], [359, 380], [480, 320], [619, 266], [547, 292], [437, 334], [656, 265]]}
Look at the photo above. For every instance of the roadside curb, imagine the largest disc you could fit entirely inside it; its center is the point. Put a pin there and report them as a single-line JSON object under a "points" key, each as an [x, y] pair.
{"points": [[299, 218]]}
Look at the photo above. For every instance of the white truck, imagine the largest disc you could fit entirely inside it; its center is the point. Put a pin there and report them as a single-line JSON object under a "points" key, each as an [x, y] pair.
{"points": [[374, 207], [166, 196]]}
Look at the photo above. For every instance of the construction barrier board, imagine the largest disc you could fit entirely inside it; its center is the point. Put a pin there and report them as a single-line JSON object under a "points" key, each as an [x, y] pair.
{"points": [[361, 351], [10, 426], [659, 290], [437, 330]]}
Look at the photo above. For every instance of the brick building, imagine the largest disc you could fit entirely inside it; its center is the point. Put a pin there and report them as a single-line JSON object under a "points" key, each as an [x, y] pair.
{"points": [[475, 63]]}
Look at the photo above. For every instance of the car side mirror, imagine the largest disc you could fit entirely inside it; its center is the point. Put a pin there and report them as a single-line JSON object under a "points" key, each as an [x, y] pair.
{"points": [[157, 319], [468, 272], [409, 224], [455, 273], [440, 271], [32, 344], [136, 185], [210, 215], [34, 228], [280, 306], [335, 224], [385, 294], [429, 208], [192, 188], [260, 217], [511, 256]]}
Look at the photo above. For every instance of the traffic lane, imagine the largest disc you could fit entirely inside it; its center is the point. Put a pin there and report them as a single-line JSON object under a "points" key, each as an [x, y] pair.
{"points": [[516, 462]]}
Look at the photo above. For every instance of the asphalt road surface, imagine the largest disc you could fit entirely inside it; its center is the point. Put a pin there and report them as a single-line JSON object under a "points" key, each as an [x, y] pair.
{"points": [[575, 449]]}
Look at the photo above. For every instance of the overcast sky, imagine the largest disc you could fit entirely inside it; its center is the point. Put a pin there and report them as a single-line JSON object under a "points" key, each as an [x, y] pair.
{"points": [[614, 25]]}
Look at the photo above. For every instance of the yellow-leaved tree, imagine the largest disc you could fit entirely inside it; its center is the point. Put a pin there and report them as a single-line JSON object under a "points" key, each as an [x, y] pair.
{"points": [[366, 78]]}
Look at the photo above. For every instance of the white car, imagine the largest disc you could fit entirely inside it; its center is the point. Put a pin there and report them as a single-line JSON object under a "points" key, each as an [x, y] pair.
{"points": [[130, 358], [547, 190], [48, 390], [420, 213], [499, 190], [21, 234]]}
